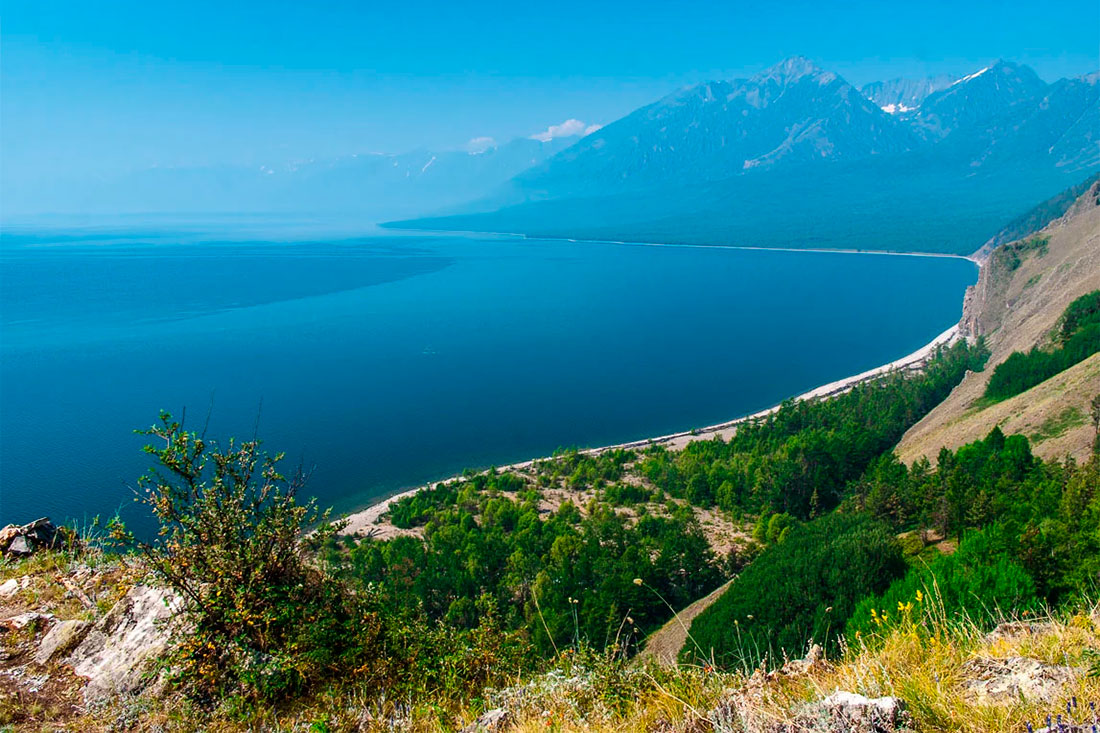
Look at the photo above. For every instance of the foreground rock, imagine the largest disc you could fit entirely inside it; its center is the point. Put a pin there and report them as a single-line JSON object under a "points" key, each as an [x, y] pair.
{"points": [[25, 540], [115, 652]]}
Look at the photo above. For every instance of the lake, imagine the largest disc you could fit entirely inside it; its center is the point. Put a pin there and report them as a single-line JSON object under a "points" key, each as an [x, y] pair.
{"points": [[387, 360]]}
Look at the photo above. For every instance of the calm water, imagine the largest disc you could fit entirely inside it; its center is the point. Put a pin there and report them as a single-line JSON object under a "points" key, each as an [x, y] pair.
{"points": [[386, 361]]}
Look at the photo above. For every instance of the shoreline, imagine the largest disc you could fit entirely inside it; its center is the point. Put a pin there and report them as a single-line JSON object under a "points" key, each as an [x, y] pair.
{"points": [[360, 522], [973, 257]]}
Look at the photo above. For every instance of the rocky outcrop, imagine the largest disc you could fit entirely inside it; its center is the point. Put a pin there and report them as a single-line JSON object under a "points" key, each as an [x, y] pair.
{"points": [[24, 540], [115, 652], [1015, 678]]}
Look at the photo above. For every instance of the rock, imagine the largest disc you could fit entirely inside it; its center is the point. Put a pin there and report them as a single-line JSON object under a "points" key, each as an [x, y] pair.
{"points": [[60, 639], [11, 586], [1015, 677], [20, 541], [847, 711], [23, 620], [841, 712], [491, 721], [115, 651], [20, 547]]}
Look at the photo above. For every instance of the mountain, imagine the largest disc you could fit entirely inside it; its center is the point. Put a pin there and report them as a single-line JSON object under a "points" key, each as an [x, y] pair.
{"points": [[796, 156], [792, 113], [901, 96], [372, 185], [978, 98]]}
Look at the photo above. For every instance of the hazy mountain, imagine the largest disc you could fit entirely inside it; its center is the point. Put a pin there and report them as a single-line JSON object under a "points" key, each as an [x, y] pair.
{"points": [[372, 185], [902, 96], [794, 112]]}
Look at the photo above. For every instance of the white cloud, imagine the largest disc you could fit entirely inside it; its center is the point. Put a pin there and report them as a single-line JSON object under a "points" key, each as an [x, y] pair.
{"points": [[480, 145], [569, 128], [591, 129]]}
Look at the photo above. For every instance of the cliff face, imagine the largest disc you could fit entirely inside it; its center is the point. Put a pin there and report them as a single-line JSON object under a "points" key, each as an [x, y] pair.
{"points": [[1024, 287]]}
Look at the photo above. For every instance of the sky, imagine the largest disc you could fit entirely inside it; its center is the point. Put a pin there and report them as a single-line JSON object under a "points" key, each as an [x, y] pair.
{"points": [[97, 89]]}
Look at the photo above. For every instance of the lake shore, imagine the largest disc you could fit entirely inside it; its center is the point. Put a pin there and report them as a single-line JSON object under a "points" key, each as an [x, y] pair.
{"points": [[362, 521]]}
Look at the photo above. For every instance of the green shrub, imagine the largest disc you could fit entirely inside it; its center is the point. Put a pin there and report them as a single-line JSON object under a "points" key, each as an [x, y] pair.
{"points": [[975, 584], [264, 623], [799, 590]]}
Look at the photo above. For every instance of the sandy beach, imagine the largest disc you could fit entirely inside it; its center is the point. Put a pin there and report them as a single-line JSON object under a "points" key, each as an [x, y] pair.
{"points": [[363, 521]]}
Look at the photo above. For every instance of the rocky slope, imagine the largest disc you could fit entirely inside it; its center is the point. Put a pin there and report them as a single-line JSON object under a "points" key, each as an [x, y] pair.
{"points": [[1015, 307]]}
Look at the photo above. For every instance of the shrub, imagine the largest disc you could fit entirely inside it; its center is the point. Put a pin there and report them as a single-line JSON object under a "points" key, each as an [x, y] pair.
{"points": [[798, 590], [263, 621], [974, 585]]}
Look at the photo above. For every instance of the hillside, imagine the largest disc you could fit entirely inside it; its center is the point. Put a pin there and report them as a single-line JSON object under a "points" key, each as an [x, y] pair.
{"points": [[1015, 309]]}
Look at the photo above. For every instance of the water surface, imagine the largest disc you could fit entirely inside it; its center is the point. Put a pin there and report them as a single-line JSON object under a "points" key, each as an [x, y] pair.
{"points": [[385, 361]]}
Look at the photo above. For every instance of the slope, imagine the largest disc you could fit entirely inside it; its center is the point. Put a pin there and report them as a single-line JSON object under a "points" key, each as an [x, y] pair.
{"points": [[1015, 308]]}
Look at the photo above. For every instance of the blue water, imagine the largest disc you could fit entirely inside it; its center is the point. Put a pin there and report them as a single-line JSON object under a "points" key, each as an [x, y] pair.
{"points": [[385, 361]]}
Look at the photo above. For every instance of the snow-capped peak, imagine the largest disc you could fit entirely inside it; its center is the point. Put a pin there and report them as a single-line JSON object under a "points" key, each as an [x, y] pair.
{"points": [[975, 75], [896, 109]]}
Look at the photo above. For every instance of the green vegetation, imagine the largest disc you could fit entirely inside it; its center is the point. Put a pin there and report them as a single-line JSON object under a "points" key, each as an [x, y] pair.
{"points": [[1044, 515], [564, 579], [500, 575], [799, 459], [1078, 338], [1010, 256], [264, 622], [802, 589], [978, 584]]}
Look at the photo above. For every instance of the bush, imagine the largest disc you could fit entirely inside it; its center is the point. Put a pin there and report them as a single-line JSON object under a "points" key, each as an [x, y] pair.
{"points": [[798, 590], [263, 622], [975, 584]]}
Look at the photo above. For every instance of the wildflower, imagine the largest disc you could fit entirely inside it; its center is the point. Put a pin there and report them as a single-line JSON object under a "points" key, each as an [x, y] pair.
{"points": [[920, 596], [637, 581]]}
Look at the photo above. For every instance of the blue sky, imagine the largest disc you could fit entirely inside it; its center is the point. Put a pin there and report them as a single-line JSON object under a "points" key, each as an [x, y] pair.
{"points": [[99, 88]]}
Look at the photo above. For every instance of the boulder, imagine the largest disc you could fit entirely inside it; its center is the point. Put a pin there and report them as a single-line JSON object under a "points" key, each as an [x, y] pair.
{"points": [[23, 540], [491, 721], [61, 639], [114, 653]]}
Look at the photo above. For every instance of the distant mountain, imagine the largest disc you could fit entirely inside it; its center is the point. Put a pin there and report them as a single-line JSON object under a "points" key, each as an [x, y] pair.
{"points": [[978, 98], [901, 96], [792, 113], [795, 156], [372, 185]]}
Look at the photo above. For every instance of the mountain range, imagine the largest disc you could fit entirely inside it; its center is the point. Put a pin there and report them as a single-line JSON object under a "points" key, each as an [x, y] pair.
{"points": [[797, 156], [792, 156]]}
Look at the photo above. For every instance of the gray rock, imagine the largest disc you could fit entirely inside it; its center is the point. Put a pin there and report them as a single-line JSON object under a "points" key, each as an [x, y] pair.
{"points": [[114, 654], [60, 639], [20, 541], [21, 547], [841, 712], [491, 721], [23, 620], [1015, 677], [847, 711]]}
